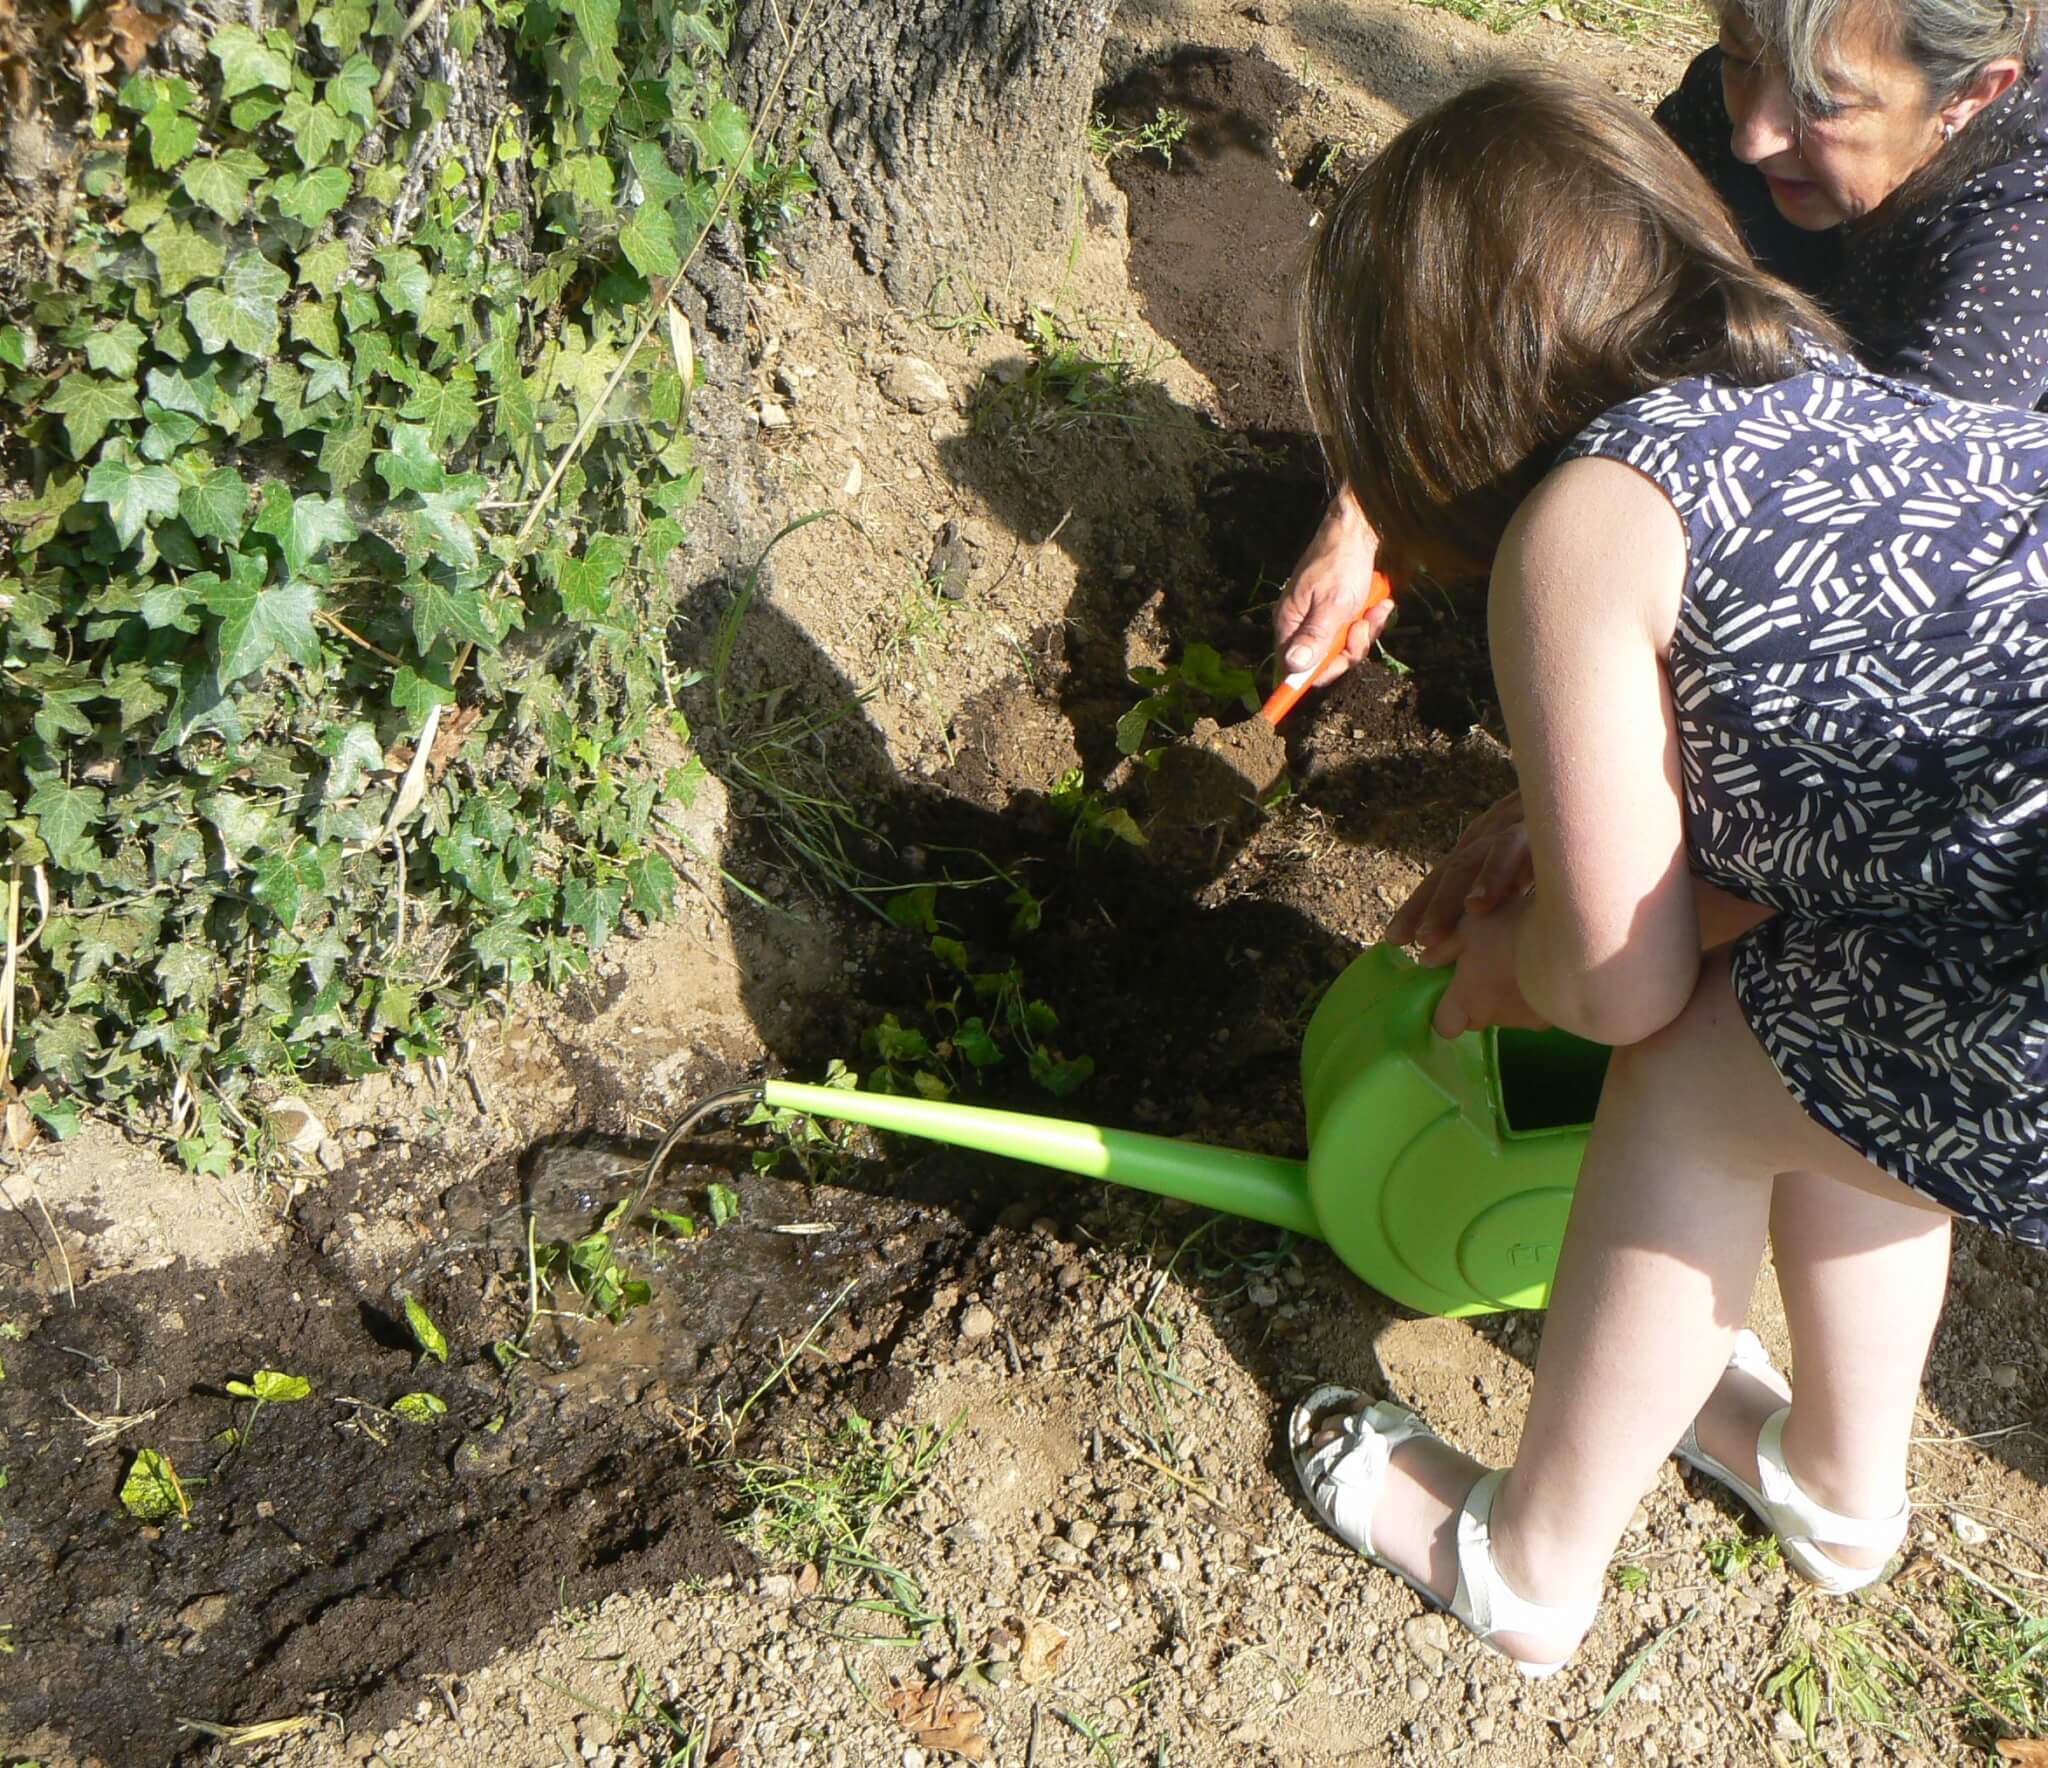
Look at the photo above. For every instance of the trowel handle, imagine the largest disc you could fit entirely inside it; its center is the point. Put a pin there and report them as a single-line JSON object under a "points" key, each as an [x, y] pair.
{"points": [[1281, 701]]}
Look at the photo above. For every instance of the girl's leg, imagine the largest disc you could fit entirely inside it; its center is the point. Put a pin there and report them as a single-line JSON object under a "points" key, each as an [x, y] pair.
{"points": [[1858, 1366]]}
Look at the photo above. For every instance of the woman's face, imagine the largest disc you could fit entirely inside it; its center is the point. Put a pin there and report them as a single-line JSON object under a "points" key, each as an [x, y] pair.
{"points": [[1880, 126]]}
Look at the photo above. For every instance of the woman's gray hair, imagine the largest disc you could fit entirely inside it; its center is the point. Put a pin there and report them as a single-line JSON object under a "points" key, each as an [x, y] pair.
{"points": [[1947, 40]]}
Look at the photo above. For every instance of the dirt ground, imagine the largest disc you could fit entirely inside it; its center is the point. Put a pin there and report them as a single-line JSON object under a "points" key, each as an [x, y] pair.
{"points": [[1046, 1414]]}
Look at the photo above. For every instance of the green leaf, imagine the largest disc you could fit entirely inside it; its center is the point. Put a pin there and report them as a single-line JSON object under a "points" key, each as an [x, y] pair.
{"points": [[61, 1117], [314, 128], [341, 25], [217, 506], [323, 266], [303, 527], [221, 183], [310, 199], [973, 1041], [345, 452], [246, 62], [13, 346], [271, 1387], [151, 1491], [134, 495], [437, 609], [257, 621], [241, 313], [116, 349], [724, 1202], [425, 1333], [442, 526], [597, 23], [406, 284], [172, 136], [586, 583], [448, 408], [410, 463], [721, 134], [649, 242], [593, 906], [88, 406], [419, 1408], [183, 255], [652, 881], [64, 817], [349, 91]]}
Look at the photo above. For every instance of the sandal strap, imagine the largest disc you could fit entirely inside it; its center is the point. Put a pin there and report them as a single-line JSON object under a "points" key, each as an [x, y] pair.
{"points": [[1347, 1475], [1811, 1520], [1483, 1601]]}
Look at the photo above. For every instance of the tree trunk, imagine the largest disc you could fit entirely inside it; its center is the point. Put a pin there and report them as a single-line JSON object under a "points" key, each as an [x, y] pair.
{"points": [[950, 132]]}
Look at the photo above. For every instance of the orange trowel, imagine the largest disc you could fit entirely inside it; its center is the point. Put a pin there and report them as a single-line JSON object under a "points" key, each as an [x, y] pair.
{"points": [[1281, 700]]}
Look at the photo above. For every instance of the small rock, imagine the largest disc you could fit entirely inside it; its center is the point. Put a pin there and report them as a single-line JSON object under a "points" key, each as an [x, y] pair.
{"points": [[1070, 1275], [1638, 1521], [1482, 1728], [2003, 1375], [976, 1322], [1082, 1533], [1169, 1562], [297, 1125], [913, 383], [1788, 1728], [772, 416], [913, 1757], [1969, 1530], [1692, 1739], [1426, 1637], [778, 1587], [203, 1612], [1418, 1688], [593, 1732], [1261, 1295]]}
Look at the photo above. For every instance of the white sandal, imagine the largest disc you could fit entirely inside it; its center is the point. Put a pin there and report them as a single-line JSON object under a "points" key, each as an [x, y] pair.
{"points": [[1343, 1481], [1784, 1507]]}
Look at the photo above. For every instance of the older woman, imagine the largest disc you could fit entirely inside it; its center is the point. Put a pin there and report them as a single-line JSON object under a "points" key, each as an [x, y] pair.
{"points": [[1888, 157]]}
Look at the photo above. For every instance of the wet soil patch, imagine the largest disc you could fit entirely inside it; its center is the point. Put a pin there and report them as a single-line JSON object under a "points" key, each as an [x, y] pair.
{"points": [[343, 1557], [1219, 235]]}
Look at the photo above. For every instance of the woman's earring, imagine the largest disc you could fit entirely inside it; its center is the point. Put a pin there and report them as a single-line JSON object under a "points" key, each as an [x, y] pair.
{"points": [[1948, 133]]}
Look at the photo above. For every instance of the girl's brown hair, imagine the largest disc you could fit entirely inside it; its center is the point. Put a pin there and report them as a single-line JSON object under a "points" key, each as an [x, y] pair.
{"points": [[1526, 255]]}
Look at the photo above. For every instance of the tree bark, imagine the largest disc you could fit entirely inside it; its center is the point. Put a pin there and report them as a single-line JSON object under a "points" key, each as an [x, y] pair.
{"points": [[947, 135]]}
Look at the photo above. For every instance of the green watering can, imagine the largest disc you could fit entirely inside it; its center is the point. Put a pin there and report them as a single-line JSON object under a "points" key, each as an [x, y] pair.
{"points": [[1439, 1170]]}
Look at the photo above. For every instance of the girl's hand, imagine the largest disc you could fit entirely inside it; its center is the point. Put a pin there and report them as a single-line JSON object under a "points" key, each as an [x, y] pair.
{"points": [[1486, 989], [1488, 866]]}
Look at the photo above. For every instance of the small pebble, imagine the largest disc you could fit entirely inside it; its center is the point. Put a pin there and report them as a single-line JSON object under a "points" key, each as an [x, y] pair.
{"points": [[1081, 1532], [976, 1322], [1418, 1687]]}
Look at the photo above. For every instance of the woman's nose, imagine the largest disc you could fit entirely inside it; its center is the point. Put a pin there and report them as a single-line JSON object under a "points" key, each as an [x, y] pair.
{"points": [[1766, 121]]}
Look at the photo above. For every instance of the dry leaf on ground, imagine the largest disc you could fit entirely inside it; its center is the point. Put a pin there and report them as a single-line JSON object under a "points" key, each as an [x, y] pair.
{"points": [[2030, 1752], [134, 33], [940, 1719], [1039, 1660]]}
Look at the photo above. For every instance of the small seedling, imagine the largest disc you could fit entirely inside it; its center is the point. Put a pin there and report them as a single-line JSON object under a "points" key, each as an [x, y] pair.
{"points": [[723, 1202], [591, 1269], [1109, 140], [419, 1408], [268, 1387], [1632, 1578], [1176, 696], [425, 1333], [1732, 1555], [1096, 822], [152, 1490]]}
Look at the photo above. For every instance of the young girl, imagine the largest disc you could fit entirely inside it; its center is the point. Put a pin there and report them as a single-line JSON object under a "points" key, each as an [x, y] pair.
{"points": [[1771, 639]]}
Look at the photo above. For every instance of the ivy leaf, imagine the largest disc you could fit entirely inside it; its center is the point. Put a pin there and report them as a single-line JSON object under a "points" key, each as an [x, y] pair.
{"points": [[448, 408], [586, 583], [221, 183], [410, 463], [406, 283], [314, 128], [345, 453], [323, 266], [442, 526], [341, 25], [309, 200], [215, 507], [172, 136], [653, 883], [303, 527], [721, 135], [258, 620], [247, 62], [186, 971], [183, 255], [597, 23], [134, 495], [88, 405], [649, 242], [349, 91], [279, 882], [593, 906], [241, 313], [324, 375], [64, 817], [659, 181], [13, 346], [437, 609], [116, 349]]}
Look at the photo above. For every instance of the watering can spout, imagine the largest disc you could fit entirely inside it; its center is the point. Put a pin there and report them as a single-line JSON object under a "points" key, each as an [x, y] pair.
{"points": [[1262, 1187]]}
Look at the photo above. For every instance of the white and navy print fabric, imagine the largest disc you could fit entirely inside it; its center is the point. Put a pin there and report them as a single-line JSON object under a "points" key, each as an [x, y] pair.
{"points": [[1953, 292], [1860, 674]]}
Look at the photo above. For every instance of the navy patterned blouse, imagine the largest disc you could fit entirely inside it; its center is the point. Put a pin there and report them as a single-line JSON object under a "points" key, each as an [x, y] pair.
{"points": [[1860, 674], [1955, 295]]}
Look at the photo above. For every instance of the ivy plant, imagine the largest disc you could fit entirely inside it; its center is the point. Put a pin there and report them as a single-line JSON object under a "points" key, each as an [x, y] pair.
{"points": [[348, 470]]}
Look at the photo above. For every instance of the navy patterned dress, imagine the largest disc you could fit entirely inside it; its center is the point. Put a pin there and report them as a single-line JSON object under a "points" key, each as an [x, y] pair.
{"points": [[1954, 293], [1860, 672]]}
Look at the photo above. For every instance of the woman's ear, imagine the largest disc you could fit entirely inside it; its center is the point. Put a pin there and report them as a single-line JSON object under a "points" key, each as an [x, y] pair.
{"points": [[1987, 86]]}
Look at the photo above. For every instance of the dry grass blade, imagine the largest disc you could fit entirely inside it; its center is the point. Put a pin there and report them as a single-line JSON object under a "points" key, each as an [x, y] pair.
{"points": [[101, 1431], [265, 1731]]}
